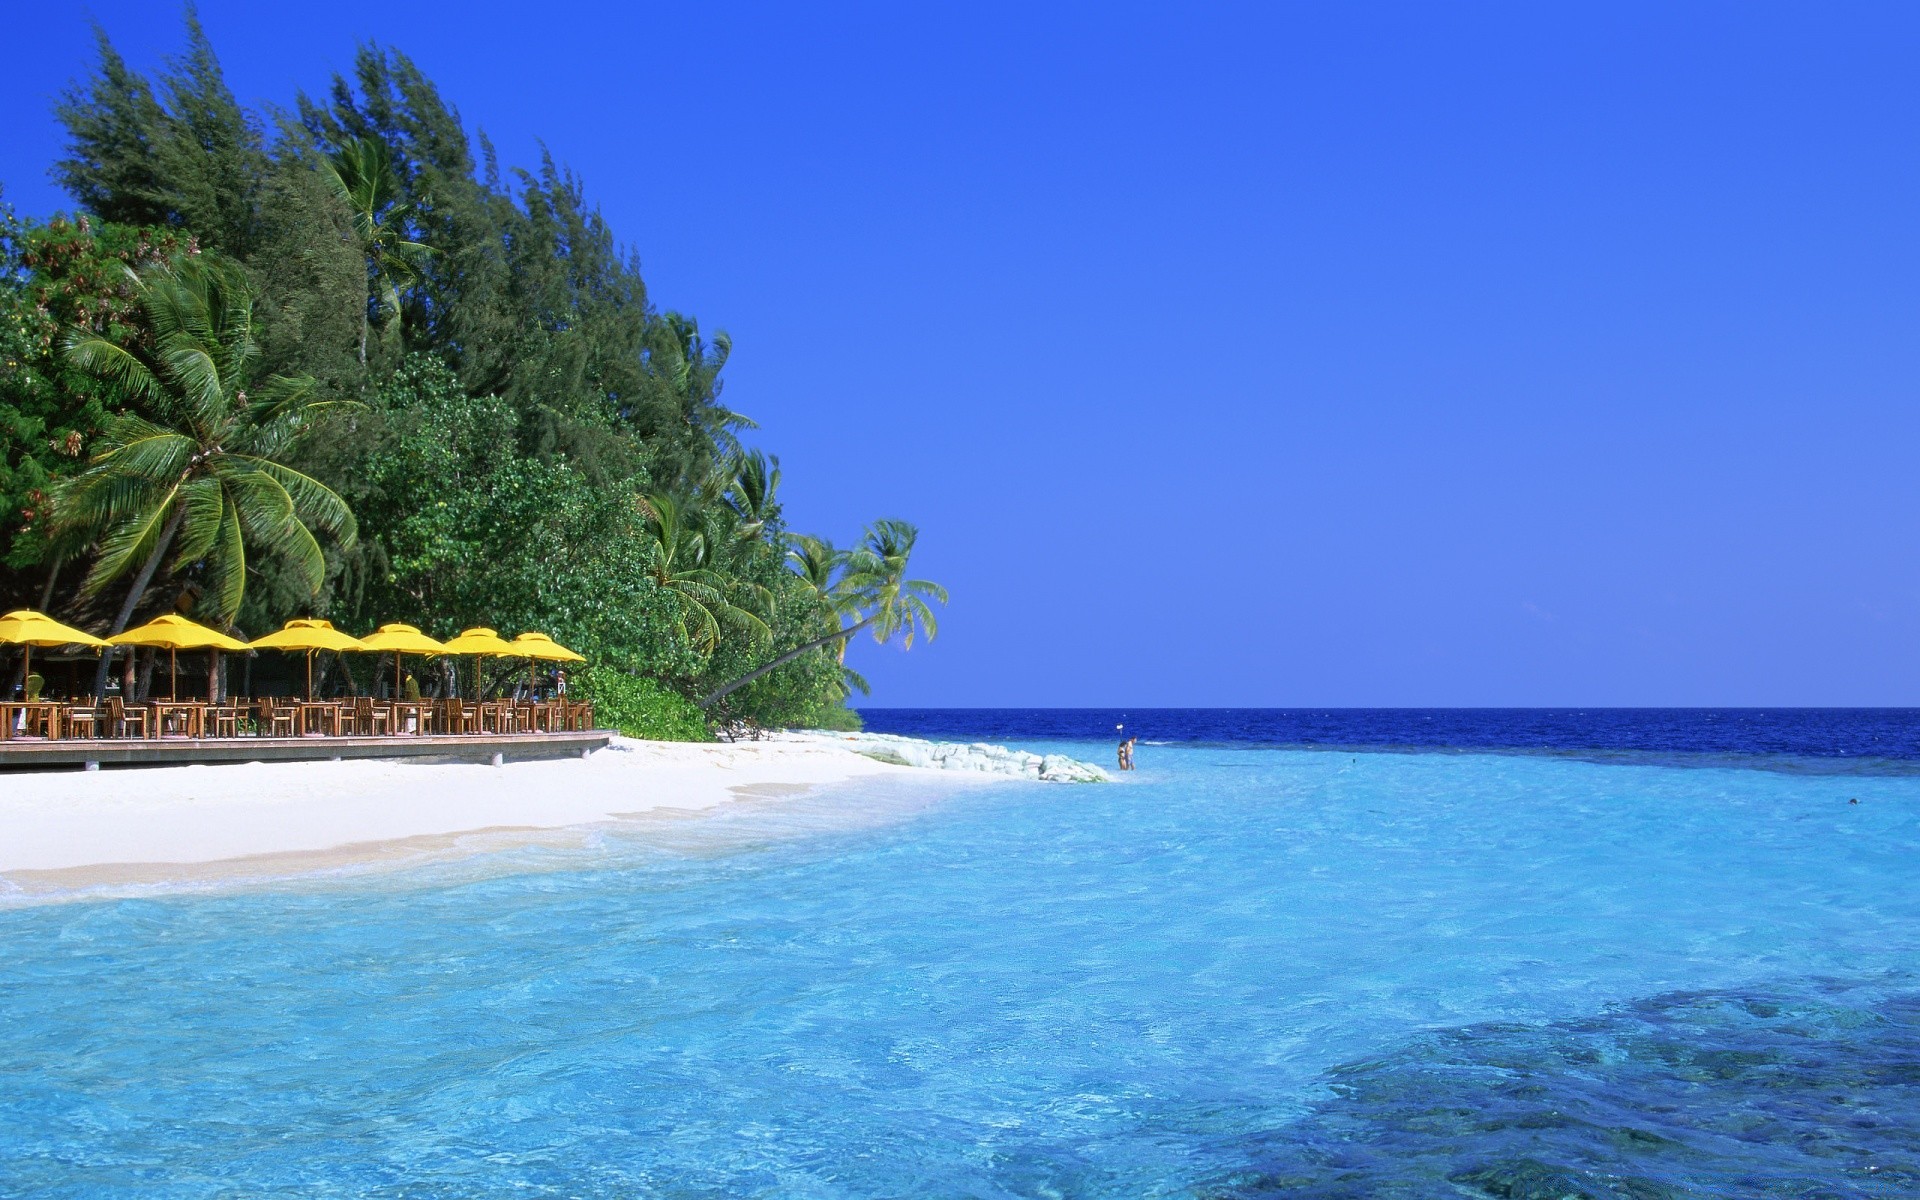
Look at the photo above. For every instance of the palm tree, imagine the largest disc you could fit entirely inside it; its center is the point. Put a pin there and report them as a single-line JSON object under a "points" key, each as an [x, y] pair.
{"points": [[815, 560], [362, 177], [750, 494], [192, 463], [873, 580], [683, 569]]}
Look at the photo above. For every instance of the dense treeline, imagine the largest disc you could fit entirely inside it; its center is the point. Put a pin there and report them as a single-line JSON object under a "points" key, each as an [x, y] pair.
{"points": [[339, 362]]}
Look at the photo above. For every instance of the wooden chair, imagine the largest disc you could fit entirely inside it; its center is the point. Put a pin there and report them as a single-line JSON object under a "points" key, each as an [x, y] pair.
{"points": [[275, 719], [458, 716], [223, 720], [581, 715], [81, 716], [370, 719], [122, 719]]}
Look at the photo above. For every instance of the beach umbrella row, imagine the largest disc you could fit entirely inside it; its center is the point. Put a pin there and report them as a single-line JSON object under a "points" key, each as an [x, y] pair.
{"points": [[27, 628]]}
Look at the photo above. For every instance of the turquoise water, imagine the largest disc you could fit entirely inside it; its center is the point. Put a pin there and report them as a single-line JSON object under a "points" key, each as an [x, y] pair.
{"points": [[1244, 971]]}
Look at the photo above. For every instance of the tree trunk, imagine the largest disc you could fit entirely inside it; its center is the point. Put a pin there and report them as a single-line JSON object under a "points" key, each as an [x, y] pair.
{"points": [[723, 691], [346, 668], [138, 590], [46, 589], [148, 662]]}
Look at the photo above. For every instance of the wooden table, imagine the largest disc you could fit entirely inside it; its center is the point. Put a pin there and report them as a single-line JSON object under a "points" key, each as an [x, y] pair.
{"points": [[499, 716], [319, 716], [35, 710], [420, 712], [192, 715]]}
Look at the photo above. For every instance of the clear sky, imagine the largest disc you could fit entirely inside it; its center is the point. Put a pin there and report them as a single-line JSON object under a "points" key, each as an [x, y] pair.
{"points": [[1332, 354]]}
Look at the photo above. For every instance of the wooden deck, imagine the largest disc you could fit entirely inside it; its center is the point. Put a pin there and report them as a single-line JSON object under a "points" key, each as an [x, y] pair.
{"points": [[93, 753]]}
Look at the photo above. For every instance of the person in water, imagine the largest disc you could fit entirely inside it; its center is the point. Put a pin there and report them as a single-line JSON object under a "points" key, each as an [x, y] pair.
{"points": [[1126, 754]]}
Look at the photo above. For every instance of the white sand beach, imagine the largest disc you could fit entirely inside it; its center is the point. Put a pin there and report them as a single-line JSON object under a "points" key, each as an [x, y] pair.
{"points": [[65, 830]]}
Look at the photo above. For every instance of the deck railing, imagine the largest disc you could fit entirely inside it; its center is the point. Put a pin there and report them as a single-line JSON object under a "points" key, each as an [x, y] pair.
{"points": [[362, 717]]}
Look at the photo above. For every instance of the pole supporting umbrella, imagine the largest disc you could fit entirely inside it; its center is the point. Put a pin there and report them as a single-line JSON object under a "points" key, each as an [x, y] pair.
{"points": [[308, 634], [175, 633], [401, 639], [538, 646], [480, 642]]}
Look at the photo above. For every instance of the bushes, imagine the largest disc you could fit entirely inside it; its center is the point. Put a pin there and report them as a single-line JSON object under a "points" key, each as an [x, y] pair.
{"points": [[640, 707]]}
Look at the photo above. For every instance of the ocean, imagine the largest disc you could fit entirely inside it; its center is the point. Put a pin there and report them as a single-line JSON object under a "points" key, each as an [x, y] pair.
{"points": [[1505, 954]]}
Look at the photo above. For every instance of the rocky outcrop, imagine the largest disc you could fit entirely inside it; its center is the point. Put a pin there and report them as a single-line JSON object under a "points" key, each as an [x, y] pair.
{"points": [[955, 756]]}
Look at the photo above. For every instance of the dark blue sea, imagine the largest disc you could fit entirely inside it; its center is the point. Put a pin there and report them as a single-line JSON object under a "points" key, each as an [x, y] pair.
{"points": [[1412, 955], [1807, 739]]}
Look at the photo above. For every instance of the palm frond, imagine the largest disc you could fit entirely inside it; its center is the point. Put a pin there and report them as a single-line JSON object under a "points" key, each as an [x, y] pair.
{"points": [[205, 503], [197, 382], [314, 502], [151, 453], [111, 363], [226, 560]]}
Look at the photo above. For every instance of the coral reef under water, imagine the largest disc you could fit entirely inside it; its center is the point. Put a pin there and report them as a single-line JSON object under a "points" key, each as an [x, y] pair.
{"points": [[1802, 1091]]}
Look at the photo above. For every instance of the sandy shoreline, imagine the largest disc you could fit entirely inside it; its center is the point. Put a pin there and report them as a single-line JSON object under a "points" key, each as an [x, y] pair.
{"points": [[62, 831]]}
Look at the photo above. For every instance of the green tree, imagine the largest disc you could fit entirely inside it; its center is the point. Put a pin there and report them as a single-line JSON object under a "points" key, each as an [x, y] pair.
{"points": [[190, 157], [873, 582], [55, 276], [362, 177], [459, 528], [192, 464], [527, 392]]}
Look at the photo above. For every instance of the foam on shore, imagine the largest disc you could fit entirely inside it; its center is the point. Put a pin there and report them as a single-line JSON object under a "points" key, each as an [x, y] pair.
{"points": [[982, 757]]}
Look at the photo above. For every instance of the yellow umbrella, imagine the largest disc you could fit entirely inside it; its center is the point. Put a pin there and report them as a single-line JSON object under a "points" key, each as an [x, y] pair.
{"points": [[309, 634], [26, 628], [175, 633], [534, 646], [480, 642], [400, 639]]}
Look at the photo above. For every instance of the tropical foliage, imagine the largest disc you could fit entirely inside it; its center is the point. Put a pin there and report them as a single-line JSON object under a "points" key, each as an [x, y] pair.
{"points": [[340, 362]]}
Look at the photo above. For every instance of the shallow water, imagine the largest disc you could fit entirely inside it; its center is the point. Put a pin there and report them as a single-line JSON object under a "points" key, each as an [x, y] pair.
{"points": [[1244, 971]]}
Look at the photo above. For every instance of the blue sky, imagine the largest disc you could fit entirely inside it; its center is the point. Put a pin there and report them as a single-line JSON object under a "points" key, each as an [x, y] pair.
{"points": [[1265, 355]]}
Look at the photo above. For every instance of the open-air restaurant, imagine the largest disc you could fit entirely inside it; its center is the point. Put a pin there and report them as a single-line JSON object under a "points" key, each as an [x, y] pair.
{"points": [[95, 706]]}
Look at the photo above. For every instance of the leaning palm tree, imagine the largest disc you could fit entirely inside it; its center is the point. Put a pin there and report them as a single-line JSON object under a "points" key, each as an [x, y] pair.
{"points": [[193, 465], [362, 177], [873, 581], [683, 569]]}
